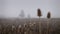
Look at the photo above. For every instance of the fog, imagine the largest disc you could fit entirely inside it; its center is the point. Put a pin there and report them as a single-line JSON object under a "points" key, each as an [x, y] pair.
{"points": [[12, 8]]}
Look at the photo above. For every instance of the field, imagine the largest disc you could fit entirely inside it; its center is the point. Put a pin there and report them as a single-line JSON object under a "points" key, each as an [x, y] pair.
{"points": [[29, 26]]}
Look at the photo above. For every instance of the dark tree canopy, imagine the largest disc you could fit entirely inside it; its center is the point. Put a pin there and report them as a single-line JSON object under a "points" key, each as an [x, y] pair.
{"points": [[39, 12]]}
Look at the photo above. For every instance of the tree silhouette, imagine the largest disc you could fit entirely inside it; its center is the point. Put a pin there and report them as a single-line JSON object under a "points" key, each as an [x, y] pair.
{"points": [[22, 14], [28, 16]]}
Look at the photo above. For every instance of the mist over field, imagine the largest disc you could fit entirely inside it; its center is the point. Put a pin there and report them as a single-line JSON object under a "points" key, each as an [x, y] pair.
{"points": [[30, 26], [29, 16], [12, 8]]}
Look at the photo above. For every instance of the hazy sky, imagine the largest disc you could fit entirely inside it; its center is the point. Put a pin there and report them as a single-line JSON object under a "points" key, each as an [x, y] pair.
{"points": [[12, 8]]}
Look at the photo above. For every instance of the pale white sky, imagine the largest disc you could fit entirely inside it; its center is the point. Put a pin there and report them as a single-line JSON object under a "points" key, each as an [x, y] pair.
{"points": [[12, 8]]}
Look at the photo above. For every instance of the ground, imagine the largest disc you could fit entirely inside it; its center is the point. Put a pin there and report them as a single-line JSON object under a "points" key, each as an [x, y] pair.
{"points": [[30, 26]]}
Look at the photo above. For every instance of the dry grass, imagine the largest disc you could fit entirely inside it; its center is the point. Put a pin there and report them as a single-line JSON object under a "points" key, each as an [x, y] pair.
{"points": [[30, 28]]}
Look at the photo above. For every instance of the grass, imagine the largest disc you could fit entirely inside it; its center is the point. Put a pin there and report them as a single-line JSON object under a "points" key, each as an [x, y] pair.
{"points": [[28, 29]]}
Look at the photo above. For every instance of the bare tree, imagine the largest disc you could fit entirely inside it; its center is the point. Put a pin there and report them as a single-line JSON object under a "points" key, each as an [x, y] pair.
{"points": [[29, 16], [22, 15]]}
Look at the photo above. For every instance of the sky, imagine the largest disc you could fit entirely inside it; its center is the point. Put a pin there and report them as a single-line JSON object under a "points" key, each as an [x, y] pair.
{"points": [[12, 8]]}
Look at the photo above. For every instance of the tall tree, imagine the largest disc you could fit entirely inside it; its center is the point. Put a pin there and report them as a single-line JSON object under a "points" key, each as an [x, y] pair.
{"points": [[22, 14], [29, 16]]}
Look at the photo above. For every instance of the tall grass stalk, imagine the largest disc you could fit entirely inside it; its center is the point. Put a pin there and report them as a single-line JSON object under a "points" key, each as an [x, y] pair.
{"points": [[39, 26], [39, 14], [48, 21]]}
